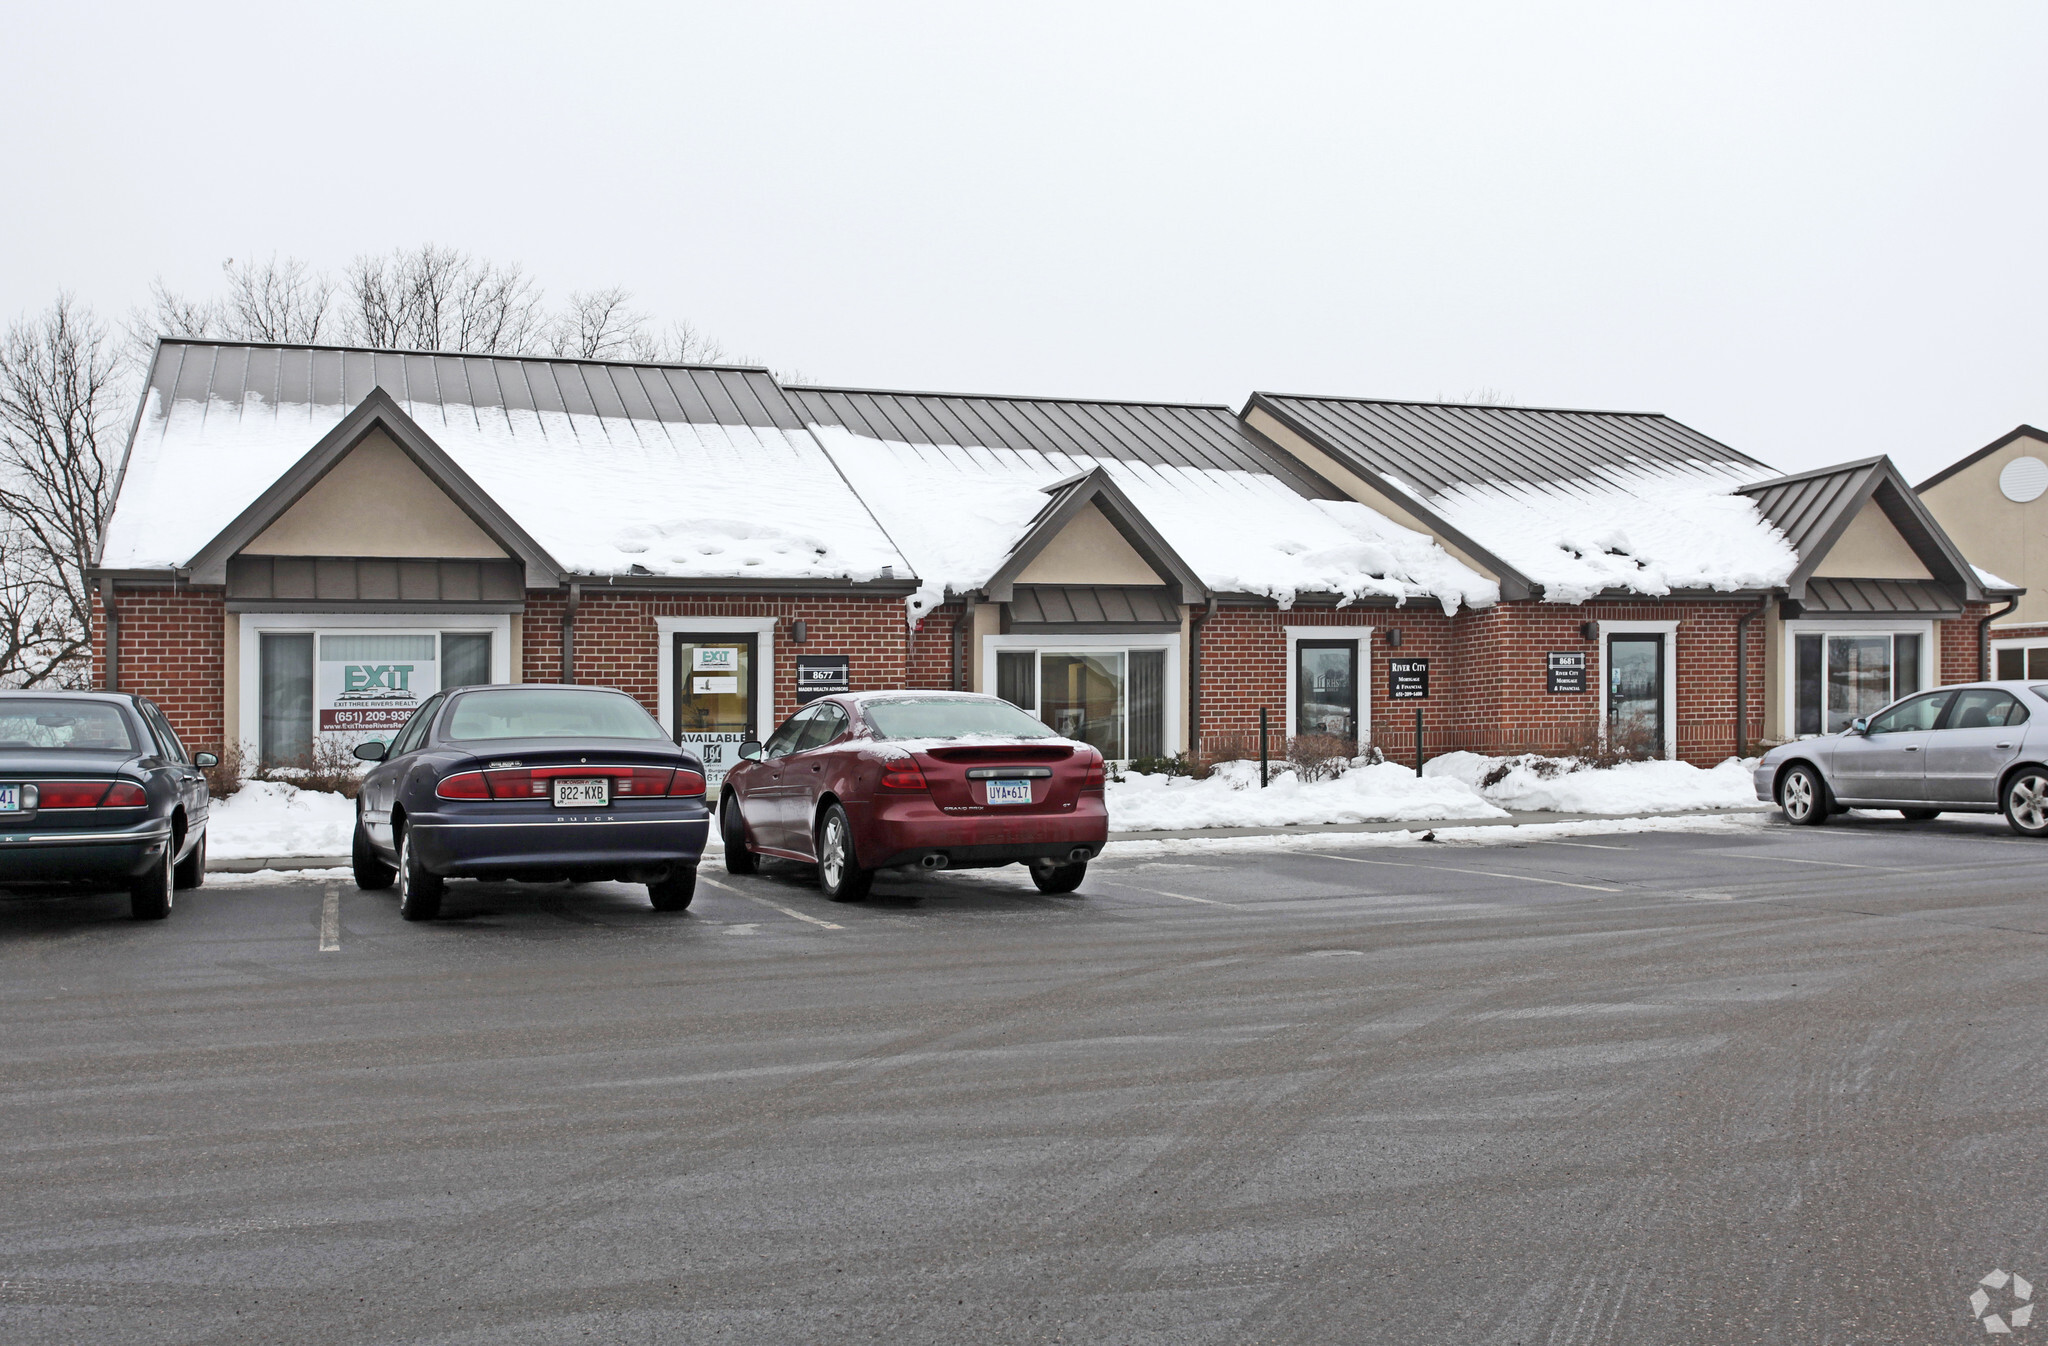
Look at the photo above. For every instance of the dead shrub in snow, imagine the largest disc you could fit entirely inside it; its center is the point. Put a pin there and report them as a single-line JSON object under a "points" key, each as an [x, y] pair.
{"points": [[1319, 757], [1224, 748], [228, 775], [331, 767]]}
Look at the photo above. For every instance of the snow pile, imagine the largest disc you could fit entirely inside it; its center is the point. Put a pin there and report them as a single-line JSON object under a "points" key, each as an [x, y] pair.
{"points": [[1232, 798], [1646, 531], [267, 818], [602, 495], [1570, 785], [957, 512]]}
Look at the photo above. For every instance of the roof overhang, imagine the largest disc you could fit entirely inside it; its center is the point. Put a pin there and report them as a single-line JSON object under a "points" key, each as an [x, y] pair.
{"points": [[1073, 495], [377, 411]]}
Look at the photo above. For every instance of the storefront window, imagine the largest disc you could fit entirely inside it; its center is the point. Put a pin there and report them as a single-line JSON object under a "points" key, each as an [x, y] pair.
{"points": [[286, 727], [2015, 661], [1840, 678], [1326, 688], [465, 658], [1113, 699]]}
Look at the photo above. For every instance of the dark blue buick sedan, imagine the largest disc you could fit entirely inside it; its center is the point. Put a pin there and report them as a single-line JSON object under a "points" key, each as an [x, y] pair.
{"points": [[530, 782], [96, 788]]}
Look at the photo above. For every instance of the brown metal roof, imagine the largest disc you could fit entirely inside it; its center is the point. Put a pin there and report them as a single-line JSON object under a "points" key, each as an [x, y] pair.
{"points": [[1094, 605], [1435, 446], [1919, 598], [1080, 432], [1814, 508]]}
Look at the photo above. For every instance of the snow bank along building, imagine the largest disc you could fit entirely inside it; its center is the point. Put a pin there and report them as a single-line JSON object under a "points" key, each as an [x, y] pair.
{"points": [[306, 542]]}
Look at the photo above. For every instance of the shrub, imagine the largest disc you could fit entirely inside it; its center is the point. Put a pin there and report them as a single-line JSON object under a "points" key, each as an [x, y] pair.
{"points": [[1224, 748], [331, 767], [1319, 757], [227, 776], [1176, 765]]}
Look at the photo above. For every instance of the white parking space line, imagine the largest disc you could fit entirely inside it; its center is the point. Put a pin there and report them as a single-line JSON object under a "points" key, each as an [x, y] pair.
{"points": [[330, 922], [1205, 901], [1584, 845], [1792, 860], [772, 906], [1447, 869]]}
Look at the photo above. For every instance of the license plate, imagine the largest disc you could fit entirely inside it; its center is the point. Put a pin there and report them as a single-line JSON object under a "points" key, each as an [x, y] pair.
{"points": [[1009, 792], [10, 799], [575, 794]]}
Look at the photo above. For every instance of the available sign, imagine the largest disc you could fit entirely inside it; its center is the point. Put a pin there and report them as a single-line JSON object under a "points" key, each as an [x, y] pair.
{"points": [[821, 675], [1408, 679], [1567, 671], [718, 751]]}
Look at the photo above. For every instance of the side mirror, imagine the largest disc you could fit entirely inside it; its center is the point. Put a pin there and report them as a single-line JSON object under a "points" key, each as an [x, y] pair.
{"points": [[203, 760], [373, 751], [1860, 725], [750, 751]]}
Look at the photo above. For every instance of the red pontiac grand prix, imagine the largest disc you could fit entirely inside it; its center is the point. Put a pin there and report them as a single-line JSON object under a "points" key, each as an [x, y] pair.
{"points": [[957, 780]]}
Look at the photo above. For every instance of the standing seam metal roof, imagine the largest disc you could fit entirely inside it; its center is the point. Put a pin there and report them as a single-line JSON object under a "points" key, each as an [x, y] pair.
{"points": [[1805, 506], [1078, 433], [1434, 447]]}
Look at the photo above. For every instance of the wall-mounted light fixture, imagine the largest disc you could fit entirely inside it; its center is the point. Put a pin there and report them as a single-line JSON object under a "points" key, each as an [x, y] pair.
{"points": [[797, 633], [1589, 630], [1394, 640]]}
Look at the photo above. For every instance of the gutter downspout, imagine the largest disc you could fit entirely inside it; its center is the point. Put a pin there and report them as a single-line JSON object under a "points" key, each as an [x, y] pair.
{"points": [[1742, 674], [1195, 680], [960, 624], [569, 634], [113, 638], [1984, 637]]}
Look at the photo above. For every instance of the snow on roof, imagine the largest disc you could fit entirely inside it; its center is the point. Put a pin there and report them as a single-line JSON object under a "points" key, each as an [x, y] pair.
{"points": [[1644, 529], [1991, 581], [957, 511], [602, 494]]}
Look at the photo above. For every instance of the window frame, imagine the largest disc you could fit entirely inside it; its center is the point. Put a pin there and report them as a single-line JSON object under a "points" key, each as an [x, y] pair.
{"points": [[2025, 644], [1668, 630], [1363, 635], [1173, 733], [1788, 661]]}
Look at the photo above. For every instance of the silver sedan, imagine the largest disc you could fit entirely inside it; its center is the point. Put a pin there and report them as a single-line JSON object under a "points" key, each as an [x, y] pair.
{"points": [[1980, 747]]}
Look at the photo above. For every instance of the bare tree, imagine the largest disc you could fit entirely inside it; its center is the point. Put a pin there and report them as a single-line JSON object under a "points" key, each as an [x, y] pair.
{"points": [[59, 390], [600, 325], [431, 298], [276, 301]]}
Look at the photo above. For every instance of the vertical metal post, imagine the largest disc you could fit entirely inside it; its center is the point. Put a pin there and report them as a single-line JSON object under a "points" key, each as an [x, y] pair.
{"points": [[1262, 747], [1418, 742]]}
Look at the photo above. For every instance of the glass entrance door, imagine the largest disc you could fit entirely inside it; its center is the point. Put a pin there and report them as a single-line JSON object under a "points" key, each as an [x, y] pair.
{"points": [[1326, 688], [714, 697], [1635, 694]]}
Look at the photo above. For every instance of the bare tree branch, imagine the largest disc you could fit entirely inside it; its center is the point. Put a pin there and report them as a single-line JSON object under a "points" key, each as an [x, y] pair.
{"points": [[58, 393], [434, 298]]}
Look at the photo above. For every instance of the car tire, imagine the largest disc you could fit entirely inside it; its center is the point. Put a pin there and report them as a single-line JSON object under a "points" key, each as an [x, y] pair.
{"points": [[1052, 878], [1803, 796], [419, 892], [2024, 799], [675, 892], [372, 874], [149, 897], [1919, 815], [732, 830], [839, 871], [191, 871]]}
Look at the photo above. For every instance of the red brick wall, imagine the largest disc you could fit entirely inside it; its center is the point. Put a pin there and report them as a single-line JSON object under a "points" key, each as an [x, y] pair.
{"points": [[171, 652], [618, 643], [1958, 639], [1488, 674]]}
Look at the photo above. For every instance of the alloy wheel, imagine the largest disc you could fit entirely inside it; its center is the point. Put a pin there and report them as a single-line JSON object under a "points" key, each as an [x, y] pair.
{"points": [[2027, 801], [833, 859], [1798, 799]]}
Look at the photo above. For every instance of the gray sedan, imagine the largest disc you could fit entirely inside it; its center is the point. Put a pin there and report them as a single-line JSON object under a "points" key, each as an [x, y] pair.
{"points": [[1981, 747]]}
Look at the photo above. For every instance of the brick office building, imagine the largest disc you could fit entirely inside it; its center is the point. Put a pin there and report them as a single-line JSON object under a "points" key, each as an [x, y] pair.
{"points": [[307, 541]]}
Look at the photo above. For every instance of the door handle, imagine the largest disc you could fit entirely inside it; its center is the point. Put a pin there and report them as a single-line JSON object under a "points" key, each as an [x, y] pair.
{"points": [[2001, 745], [1912, 747]]}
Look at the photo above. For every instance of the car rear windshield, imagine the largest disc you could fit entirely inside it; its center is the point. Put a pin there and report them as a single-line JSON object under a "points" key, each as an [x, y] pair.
{"points": [[953, 718], [78, 726], [550, 714]]}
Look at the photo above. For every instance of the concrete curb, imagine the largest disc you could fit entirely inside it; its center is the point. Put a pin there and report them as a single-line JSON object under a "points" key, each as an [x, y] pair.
{"points": [[1523, 819]]}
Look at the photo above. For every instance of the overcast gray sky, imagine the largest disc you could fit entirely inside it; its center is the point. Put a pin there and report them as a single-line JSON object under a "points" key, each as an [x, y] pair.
{"points": [[1812, 231]]}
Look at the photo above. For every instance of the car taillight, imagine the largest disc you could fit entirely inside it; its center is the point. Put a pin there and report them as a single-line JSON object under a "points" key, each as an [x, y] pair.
{"points": [[687, 782], [1092, 778], [903, 775], [88, 794], [463, 785]]}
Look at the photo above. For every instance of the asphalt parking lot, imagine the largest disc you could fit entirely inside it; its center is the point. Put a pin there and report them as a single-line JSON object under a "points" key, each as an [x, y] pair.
{"points": [[1749, 1085]]}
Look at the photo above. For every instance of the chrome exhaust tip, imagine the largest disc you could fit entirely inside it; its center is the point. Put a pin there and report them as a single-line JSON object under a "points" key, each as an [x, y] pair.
{"points": [[933, 862], [1077, 855]]}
